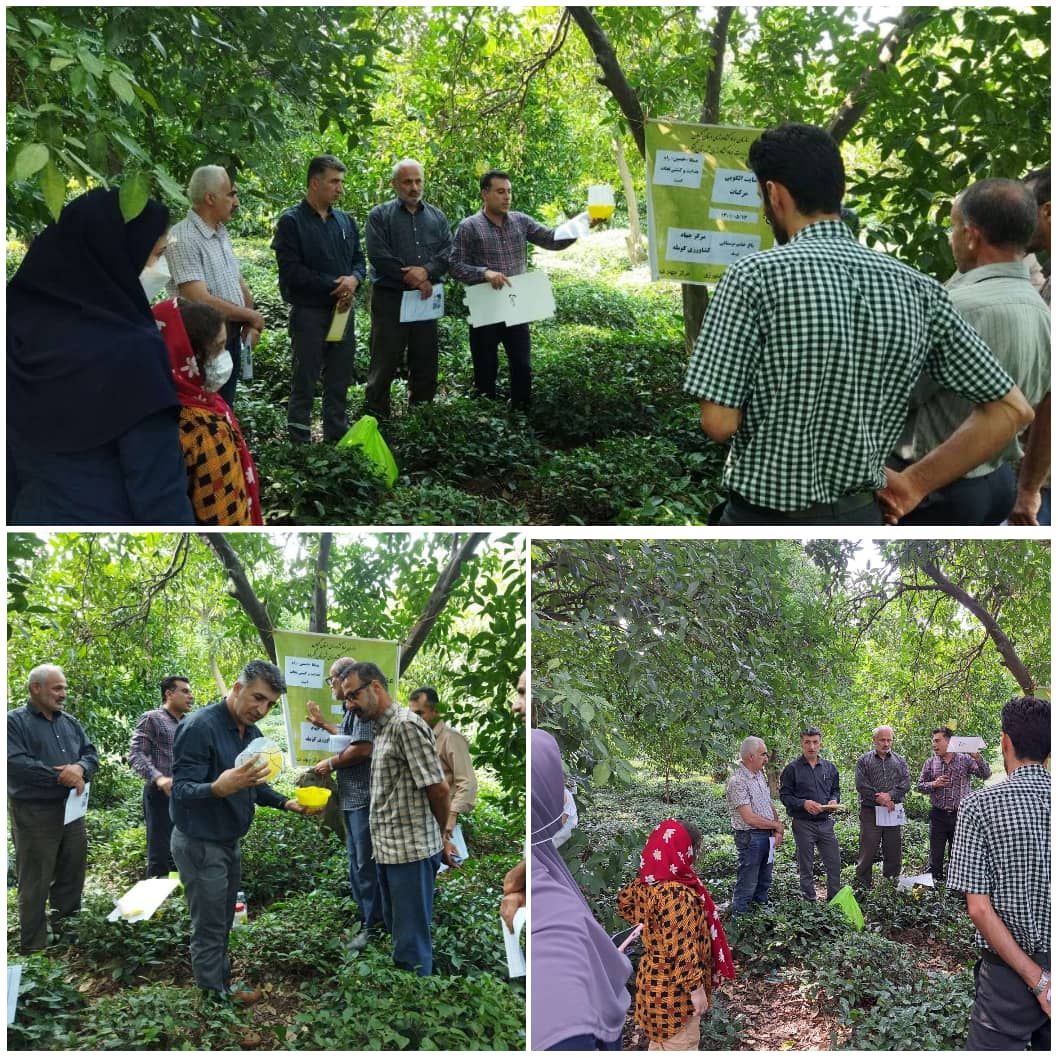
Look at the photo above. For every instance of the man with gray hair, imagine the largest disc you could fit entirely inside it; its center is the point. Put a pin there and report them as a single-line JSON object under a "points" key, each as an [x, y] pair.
{"points": [[213, 807], [48, 758], [882, 781], [408, 244], [756, 825], [992, 223], [203, 267]]}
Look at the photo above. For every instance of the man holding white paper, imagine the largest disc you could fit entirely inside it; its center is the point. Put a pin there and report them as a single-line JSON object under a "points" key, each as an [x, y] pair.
{"points": [[882, 781], [409, 243], [321, 265], [490, 247], [49, 758]]}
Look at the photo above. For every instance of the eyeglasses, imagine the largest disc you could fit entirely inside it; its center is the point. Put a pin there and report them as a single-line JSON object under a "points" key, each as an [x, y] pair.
{"points": [[351, 696]]}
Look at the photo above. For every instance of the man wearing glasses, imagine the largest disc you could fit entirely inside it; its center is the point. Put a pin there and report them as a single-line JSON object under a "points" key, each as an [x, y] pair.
{"points": [[409, 808], [353, 771], [203, 267]]}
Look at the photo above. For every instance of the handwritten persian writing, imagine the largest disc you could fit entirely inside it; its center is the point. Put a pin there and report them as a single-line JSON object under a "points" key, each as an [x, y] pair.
{"points": [[678, 169], [708, 247]]}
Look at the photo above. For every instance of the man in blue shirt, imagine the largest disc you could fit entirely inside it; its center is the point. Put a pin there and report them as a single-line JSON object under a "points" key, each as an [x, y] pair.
{"points": [[213, 807], [321, 265]]}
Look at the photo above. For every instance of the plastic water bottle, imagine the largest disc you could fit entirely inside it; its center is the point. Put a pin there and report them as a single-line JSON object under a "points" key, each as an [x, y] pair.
{"points": [[241, 917]]}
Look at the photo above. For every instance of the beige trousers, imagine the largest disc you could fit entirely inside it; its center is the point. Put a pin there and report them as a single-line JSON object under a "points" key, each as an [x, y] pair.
{"points": [[684, 1040]]}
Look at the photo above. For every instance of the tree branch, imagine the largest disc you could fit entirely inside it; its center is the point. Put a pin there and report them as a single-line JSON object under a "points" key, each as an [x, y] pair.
{"points": [[244, 592], [318, 619], [711, 103], [438, 599], [856, 102]]}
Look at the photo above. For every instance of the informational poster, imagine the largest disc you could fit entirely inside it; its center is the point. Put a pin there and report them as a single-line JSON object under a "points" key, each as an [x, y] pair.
{"points": [[704, 210], [305, 659]]}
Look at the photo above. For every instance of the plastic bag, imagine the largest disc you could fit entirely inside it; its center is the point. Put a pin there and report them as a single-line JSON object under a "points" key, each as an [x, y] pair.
{"points": [[363, 434], [845, 899]]}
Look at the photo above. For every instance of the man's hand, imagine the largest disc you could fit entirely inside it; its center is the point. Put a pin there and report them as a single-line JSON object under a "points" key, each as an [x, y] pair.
{"points": [[884, 800], [700, 1000], [977, 756], [253, 773], [345, 288], [71, 776], [1026, 508], [250, 335], [779, 831], [449, 853], [497, 280], [165, 784], [323, 769], [256, 322], [1044, 998], [942, 780], [813, 808], [509, 906], [415, 276], [315, 716], [303, 810], [899, 497]]}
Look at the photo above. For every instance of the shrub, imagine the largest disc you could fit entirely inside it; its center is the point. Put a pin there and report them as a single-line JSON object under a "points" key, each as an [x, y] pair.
{"points": [[787, 930], [489, 828], [49, 1010], [118, 785], [283, 853], [432, 503]]}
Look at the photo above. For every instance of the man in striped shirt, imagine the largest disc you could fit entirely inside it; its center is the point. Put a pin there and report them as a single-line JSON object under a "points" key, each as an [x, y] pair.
{"points": [[808, 354], [151, 757], [946, 778], [882, 781], [1002, 862]]}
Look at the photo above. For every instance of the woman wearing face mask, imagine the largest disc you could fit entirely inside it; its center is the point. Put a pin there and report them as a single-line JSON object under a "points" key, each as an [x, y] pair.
{"points": [[221, 477], [91, 408]]}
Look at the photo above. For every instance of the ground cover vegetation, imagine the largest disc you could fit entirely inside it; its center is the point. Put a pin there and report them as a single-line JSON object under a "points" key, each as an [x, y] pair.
{"points": [[654, 659], [118, 613], [923, 102]]}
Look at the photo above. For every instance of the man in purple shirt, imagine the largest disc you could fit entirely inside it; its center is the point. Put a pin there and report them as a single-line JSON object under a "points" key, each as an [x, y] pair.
{"points": [[488, 248], [151, 757], [946, 778]]}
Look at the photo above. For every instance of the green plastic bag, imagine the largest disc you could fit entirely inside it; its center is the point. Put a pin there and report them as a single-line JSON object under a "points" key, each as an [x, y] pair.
{"points": [[363, 434], [846, 900]]}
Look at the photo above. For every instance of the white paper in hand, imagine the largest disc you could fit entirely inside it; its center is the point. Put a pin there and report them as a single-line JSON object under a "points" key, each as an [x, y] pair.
{"points": [[890, 817], [414, 308], [515, 955], [771, 850], [76, 805], [966, 744], [575, 228], [14, 977]]}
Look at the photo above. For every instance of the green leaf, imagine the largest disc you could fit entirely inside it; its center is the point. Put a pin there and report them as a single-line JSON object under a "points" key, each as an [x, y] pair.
{"points": [[60, 63], [97, 149], [90, 62], [600, 774], [133, 195], [31, 159], [169, 185], [122, 88], [54, 187]]}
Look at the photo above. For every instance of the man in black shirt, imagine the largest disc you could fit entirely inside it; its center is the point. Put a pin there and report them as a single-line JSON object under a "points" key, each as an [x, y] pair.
{"points": [[48, 756], [321, 264], [213, 807], [807, 785]]}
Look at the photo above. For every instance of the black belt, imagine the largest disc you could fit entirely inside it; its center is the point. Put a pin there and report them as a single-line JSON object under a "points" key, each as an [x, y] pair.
{"points": [[1041, 957], [842, 505]]}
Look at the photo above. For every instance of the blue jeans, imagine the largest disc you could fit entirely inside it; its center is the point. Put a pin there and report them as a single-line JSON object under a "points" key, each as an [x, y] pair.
{"points": [[407, 909], [363, 876], [754, 871]]}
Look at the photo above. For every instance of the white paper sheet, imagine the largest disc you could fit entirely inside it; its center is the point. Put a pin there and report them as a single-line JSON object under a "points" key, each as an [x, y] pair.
{"points": [[314, 739], [304, 672], [76, 805], [890, 817], [14, 978], [699, 246], [414, 308], [742, 216], [528, 298], [678, 169], [338, 743], [460, 842], [736, 187], [966, 744], [515, 955], [145, 898], [918, 879], [771, 850], [574, 228]]}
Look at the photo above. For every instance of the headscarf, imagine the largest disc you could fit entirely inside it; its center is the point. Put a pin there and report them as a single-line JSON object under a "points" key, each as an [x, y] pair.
{"points": [[192, 394], [579, 977], [668, 856], [84, 359]]}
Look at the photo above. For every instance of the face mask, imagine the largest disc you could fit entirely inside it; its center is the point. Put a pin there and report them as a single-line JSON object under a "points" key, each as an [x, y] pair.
{"points": [[154, 279], [218, 371]]}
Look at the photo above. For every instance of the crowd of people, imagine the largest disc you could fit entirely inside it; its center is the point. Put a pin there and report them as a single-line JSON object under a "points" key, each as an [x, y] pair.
{"points": [[403, 781], [149, 438], [1000, 861], [852, 387]]}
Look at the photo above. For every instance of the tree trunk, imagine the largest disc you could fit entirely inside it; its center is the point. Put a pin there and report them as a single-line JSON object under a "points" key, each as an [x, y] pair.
{"points": [[856, 102], [318, 619], [1006, 649], [438, 598], [717, 45], [218, 677], [695, 301], [635, 234], [243, 590]]}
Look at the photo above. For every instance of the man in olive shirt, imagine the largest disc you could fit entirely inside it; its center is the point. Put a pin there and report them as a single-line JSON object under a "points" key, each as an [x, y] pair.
{"points": [[992, 222], [48, 755], [808, 354]]}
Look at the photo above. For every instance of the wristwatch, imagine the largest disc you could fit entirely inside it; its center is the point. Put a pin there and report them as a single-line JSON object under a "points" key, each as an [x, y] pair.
{"points": [[1045, 980]]}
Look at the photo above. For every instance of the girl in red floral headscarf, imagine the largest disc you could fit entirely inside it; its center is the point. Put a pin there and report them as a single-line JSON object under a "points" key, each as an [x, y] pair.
{"points": [[685, 949], [222, 478]]}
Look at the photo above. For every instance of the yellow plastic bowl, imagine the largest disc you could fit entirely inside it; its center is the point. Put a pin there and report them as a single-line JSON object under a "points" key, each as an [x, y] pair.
{"points": [[312, 796]]}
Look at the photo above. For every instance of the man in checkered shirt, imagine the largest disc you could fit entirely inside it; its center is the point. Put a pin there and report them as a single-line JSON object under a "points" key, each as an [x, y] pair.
{"points": [[808, 354], [1002, 862], [409, 809]]}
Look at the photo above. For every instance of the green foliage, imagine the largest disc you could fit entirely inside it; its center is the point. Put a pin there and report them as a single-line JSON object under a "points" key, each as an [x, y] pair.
{"points": [[50, 1009], [282, 853], [785, 931], [490, 827]]}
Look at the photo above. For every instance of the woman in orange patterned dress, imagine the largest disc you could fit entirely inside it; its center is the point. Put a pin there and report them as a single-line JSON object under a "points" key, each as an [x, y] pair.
{"points": [[685, 950]]}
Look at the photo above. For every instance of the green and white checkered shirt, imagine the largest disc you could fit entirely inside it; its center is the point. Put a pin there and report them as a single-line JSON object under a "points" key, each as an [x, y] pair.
{"points": [[403, 763], [1002, 849], [820, 343]]}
